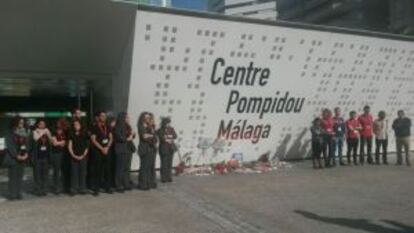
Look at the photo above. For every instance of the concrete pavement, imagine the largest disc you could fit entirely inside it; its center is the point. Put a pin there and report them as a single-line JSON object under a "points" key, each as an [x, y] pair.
{"points": [[377, 199]]}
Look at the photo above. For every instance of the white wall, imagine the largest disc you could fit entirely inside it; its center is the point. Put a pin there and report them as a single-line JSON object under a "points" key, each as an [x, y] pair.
{"points": [[173, 60]]}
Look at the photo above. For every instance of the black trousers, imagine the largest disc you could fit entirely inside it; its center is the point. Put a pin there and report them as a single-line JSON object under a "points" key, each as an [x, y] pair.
{"points": [[56, 160], [101, 171], [166, 157], [41, 168], [78, 175], [352, 148], [316, 154], [122, 175], [66, 172], [381, 143], [327, 150], [16, 173], [365, 142], [146, 177]]}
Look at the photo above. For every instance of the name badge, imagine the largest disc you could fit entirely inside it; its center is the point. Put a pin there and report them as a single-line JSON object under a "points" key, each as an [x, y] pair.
{"points": [[43, 148], [339, 129], [23, 147], [105, 141]]}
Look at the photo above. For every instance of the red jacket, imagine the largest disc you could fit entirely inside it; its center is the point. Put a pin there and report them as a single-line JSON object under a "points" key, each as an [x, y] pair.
{"points": [[327, 125], [352, 128], [366, 124]]}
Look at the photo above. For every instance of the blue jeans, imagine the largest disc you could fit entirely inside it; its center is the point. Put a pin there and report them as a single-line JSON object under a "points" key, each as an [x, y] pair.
{"points": [[338, 145]]}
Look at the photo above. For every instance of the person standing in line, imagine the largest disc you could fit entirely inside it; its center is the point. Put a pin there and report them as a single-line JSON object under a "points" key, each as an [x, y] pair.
{"points": [[111, 154], [124, 148], [41, 156], [17, 155], [381, 137], [58, 152], [339, 136], [317, 140], [101, 139], [353, 128], [402, 129], [78, 146], [147, 150], [327, 125], [366, 121], [167, 148]]}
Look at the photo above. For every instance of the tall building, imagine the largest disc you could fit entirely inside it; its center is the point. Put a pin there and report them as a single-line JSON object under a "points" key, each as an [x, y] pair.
{"points": [[200, 5], [402, 16], [260, 9], [361, 14]]}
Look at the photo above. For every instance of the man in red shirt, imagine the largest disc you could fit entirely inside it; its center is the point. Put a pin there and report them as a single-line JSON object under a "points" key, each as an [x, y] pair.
{"points": [[327, 124], [366, 121], [353, 128]]}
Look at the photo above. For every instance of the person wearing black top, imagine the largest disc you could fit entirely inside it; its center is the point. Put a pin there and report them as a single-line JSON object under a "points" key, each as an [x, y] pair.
{"points": [[147, 150], [78, 147], [167, 148], [112, 160], [101, 138], [317, 141], [41, 155], [58, 152], [17, 154], [402, 129], [124, 148]]}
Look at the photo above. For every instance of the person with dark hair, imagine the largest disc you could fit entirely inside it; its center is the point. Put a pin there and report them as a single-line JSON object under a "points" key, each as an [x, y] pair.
{"points": [[17, 154], [56, 157], [317, 141], [167, 148], [101, 138], [111, 122], [76, 114], [41, 155], [124, 148], [353, 128], [366, 121], [327, 124], [147, 150], [402, 129], [339, 135], [381, 137], [78, 146]]}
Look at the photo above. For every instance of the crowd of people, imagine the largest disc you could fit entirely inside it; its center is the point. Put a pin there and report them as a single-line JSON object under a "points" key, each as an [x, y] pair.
{"points": [[88, 159], [331, 131]]}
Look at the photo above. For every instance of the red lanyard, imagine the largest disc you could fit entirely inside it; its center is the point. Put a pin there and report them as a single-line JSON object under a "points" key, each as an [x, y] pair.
{"points": [[103, 129]]}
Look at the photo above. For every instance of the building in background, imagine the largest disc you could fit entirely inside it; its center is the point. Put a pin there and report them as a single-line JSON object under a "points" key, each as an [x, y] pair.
{"points": [[201, 5], [370, 15], [395, 16], [260, 9], [402, 16]]}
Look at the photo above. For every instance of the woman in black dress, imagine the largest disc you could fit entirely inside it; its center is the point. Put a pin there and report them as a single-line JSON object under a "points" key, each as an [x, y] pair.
{"points": [[124, 148], [78, 145], [167, 148], [17, 154], [41, 156], [147, 150]]}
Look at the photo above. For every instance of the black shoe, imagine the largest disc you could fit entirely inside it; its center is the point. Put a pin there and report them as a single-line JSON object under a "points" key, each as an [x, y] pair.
{"points": [[128, 188], [120, 190], [19, 197], [95, 193], [109, 191]]}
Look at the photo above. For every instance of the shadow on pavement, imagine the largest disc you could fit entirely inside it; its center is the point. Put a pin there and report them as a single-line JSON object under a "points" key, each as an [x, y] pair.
{"points": [[360, 224]]}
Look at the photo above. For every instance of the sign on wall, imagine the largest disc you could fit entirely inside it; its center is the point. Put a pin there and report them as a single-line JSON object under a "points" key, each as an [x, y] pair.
{"points": [[247, 88]]}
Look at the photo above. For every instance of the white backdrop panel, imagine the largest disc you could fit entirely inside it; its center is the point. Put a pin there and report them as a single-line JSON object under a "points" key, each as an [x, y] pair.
{"points": [[173, 62]]}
